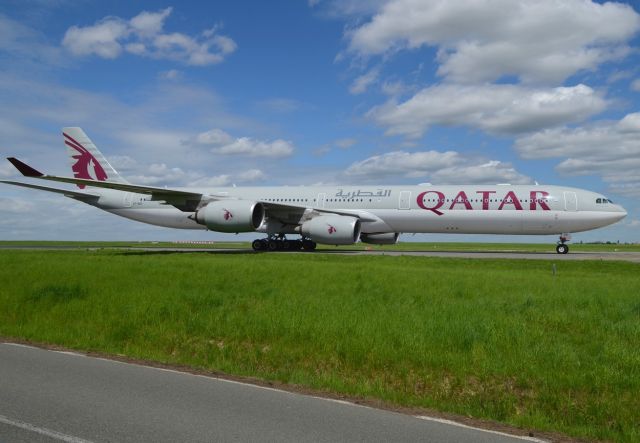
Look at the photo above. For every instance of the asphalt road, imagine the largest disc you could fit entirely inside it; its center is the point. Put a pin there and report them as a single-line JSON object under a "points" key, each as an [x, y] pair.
{"points": [[49, 396]]}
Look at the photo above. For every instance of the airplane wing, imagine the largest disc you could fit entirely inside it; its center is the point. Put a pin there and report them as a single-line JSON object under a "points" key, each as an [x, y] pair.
{"points": [[183, 200], [30, 172], [65, 192]]}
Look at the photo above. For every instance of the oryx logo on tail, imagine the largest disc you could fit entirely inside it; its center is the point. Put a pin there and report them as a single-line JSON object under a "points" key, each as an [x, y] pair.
{"points": [[86, 166]]}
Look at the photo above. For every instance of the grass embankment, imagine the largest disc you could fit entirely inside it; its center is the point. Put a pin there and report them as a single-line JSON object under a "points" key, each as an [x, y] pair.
{"points": [[497, 339]]}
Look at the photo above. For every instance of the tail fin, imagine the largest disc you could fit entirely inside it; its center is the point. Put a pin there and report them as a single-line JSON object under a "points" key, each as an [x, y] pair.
{"points": [[86, 161]]}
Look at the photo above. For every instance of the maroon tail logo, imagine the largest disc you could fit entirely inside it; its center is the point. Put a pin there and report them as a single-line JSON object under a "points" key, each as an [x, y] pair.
{"points": [[227, 214], [84, 160], [331, 229]]}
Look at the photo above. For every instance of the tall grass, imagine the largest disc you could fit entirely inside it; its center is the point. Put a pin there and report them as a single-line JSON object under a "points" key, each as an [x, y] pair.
{"points": [[497, 339]]}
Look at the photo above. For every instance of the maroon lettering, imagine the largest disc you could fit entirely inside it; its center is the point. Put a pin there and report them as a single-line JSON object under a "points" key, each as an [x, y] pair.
{"points": [[461, 198], [485, 198], [439, 200], [511, 199], [535, 199]]}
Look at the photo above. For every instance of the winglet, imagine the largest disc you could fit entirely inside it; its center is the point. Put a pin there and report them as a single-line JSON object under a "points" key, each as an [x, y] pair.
{"points": [[24, 168]]}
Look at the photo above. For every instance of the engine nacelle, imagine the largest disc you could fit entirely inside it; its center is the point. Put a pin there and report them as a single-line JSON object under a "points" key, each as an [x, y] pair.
{"points": [[385, 238], [231, 216], [332, 229]]}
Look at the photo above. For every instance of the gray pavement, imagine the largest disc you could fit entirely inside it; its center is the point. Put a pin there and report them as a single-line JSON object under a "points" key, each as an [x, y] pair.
{"points": [[49, 396]]}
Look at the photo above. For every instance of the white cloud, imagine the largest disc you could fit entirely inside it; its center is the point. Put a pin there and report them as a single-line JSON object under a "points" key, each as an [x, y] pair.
{"points": [[403, 163], [362, 83], [484, 40], [224, 144], [251, 175], [618, 140], [212, 182], [122, 162], [160, 173], [101, 39], [171, 74], [143, 35], [635, 85], [256, 148], [213, 137], [608, 149], [394, 88], [345, 143], [491, 172], [497, 109], [149, 23], [448, 167]]}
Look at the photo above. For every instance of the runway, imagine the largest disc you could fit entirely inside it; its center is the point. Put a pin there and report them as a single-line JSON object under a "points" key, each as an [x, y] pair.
{"points": [[50, 396]]}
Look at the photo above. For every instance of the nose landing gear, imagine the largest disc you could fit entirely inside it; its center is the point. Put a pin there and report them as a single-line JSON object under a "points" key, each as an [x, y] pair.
{"points": [[562, 247]]}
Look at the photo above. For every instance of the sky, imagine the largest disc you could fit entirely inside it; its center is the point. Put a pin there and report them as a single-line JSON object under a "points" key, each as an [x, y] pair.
{"points": [[319, 92]]}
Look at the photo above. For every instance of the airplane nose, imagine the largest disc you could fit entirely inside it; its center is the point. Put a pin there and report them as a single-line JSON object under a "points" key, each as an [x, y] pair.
{"points": [[622, 213]]}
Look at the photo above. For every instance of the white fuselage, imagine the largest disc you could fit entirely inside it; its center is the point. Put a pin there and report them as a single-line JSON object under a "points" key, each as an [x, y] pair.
{"points": [[477, 209]]}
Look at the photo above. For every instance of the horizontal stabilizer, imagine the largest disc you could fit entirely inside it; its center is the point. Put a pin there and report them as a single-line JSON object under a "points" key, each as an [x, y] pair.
{"points": [[24, 168]]}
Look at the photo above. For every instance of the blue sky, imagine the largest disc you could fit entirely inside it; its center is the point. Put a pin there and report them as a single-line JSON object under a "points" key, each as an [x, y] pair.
{"points": [[284, 93]]}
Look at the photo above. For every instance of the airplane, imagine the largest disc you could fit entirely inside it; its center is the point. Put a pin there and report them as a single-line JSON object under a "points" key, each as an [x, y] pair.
{"points": [[332, 215]]}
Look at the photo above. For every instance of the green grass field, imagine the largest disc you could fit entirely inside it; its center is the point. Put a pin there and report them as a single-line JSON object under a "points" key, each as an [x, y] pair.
{"points": [[504, 340]]}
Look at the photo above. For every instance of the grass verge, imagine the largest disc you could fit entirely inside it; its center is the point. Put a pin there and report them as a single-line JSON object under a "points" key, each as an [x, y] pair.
{"points": [[493, 339]]}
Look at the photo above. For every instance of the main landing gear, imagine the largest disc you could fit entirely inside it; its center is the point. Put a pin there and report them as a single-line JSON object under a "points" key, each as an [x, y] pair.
{"points": [[562, 247], [281, 243]]}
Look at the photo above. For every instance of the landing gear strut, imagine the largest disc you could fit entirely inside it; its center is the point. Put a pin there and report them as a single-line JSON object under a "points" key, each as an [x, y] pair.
{"points": [[562, 247], [278, 242]]}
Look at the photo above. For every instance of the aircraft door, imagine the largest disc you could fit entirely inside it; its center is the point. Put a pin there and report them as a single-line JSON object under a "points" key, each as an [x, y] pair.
{"points": [[570, 201], [321, 198], [404, 201]]}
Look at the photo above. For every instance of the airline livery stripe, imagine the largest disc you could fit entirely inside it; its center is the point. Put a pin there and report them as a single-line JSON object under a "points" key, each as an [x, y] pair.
{"points": [[72, 140], [77, 148]]}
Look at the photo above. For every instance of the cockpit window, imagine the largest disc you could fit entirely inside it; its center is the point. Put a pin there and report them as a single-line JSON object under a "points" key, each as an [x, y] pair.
{"points": [[598, 200], [603, 200]]}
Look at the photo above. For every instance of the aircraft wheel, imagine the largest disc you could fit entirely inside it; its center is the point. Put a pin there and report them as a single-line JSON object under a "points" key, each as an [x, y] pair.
{"points": [[308, 245], [287, 245], [273, 245], [562, 248], [258, 245]]}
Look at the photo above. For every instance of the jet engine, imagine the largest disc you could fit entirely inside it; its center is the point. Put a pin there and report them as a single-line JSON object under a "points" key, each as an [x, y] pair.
{"points": [[332, 229], [231, 216], [385, 238]]}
